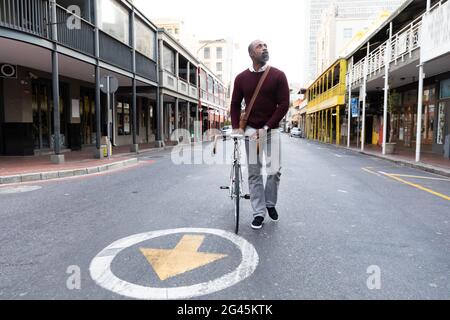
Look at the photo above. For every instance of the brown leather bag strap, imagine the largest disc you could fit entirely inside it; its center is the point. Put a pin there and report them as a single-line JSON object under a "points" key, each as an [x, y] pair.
{"points": [[248, 111]]}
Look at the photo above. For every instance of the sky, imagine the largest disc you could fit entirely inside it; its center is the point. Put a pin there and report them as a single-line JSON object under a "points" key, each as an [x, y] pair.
{"points": [[279, 23]]}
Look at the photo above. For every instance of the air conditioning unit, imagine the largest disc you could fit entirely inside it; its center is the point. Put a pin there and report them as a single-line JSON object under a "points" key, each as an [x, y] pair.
{"points": [[8, 71]]}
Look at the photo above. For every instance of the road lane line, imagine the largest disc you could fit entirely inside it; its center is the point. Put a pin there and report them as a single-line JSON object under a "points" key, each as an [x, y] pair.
{"points": [[443, 196], [370, 171], [420, 177]]}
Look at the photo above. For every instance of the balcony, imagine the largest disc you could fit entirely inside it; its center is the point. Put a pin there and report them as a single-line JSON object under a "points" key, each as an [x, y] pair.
{"points": [[34, 17], [30, 17], [404, 47]]}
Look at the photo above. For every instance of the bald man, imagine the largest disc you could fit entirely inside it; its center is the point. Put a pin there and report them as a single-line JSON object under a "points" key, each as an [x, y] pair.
{"points": [[270, 107]]}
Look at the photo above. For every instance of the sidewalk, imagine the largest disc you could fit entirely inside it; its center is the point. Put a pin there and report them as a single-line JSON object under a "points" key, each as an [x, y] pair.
{"points": [[429, 162], [36, 168]]}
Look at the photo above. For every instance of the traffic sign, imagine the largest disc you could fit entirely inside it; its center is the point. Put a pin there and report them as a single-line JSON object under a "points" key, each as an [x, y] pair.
{"points": [[110, 87]]}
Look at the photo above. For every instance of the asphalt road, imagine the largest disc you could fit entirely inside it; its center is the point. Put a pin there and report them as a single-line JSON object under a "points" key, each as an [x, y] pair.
{"points": [[342, 214]]}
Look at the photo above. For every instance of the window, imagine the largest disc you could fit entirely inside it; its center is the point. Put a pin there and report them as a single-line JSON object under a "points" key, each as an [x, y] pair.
{"points": [[219, 52], [348, 33], [114, 19], [330, 79], [219, 66], [193, 76], [337, 71], [145, 40], [177, 31], [182, 65], [169, 59], [207, 53], [203, 79], [210, 84]]}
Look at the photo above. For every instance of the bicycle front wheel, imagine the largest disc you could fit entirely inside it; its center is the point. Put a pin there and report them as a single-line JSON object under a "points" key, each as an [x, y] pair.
{"points": [[237, 196]]}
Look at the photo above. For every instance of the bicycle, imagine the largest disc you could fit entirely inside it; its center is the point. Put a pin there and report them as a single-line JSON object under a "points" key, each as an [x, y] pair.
{"points": [[236, 177]]}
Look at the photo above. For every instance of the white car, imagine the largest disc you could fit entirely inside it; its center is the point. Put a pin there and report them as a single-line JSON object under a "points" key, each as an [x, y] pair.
{"points": [[296, 132], [227, 130]]}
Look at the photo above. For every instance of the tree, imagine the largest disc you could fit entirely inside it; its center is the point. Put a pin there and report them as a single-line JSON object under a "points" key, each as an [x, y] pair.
{"points": [[392, 101]]}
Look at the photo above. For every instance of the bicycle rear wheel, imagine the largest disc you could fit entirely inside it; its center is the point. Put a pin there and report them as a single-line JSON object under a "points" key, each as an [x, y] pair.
{"points": [[237, 196]]}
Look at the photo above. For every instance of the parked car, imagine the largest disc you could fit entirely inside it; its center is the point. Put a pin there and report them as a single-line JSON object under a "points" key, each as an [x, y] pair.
{"points": [[227, 130], [296, 132]]}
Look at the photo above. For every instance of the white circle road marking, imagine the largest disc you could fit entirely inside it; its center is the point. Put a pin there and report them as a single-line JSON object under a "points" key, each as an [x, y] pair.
{"points": [[101, 273], [21, 189]]}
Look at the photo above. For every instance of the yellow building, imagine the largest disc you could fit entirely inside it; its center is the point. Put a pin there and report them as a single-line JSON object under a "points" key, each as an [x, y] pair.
{"points": [[326, 103]]}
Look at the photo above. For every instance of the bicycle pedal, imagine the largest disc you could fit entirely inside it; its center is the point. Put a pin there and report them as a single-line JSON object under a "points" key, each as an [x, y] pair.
{"points": [[224, 188], [247, 197]]}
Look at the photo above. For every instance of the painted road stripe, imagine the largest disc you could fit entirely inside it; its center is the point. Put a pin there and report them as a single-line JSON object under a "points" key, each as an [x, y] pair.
{"points": [[419, 177], [101, 273], [370, 171], [443, 196], [19, 189]]}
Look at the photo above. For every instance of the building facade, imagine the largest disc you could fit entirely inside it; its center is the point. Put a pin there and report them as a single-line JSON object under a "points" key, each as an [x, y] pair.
{"points": [[179, 87], [346, 9], [389, 75], [61, 52]]}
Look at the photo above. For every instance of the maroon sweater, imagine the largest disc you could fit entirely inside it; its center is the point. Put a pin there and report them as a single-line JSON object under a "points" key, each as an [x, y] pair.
{"points": [[272, 103]]}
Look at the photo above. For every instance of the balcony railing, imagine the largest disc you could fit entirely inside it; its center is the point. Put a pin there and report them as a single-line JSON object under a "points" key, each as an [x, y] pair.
{"points": [[403, 44], [34, 17], [31, 16], [338, 90], [80, 36], [115, 52], [145, 67]]}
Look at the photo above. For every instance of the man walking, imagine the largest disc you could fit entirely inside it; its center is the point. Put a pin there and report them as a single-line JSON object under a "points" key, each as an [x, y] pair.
{"points": [[265, 90]]}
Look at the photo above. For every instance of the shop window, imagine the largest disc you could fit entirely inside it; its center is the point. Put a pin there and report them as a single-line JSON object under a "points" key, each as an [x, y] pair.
{"points": [[123, 119], [440, 124], [445, 89]]}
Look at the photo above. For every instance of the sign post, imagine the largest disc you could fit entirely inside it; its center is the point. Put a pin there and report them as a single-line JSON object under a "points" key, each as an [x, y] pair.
{"points": [[109, 86]]}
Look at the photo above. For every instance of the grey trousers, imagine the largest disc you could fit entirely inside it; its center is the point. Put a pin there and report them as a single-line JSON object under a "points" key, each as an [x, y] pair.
{"points": [[265, 163]]}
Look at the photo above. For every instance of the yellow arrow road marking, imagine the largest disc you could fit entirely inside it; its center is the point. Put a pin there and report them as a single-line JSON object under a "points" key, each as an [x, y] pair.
{"points": [[443, 196], [183, 258]]}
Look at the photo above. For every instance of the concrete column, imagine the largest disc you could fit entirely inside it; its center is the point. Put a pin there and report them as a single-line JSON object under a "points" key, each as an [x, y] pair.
{"points": [[338, 126], [98, 154], [349, 120], [331, 126], [386, 87], [366, 71], [326, 125], [188, 117], [420, 104], [57, 157], [134, 146]]}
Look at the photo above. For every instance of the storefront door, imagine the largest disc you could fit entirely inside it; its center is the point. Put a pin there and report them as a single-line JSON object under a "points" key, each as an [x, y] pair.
{"points": [[87, 116], [42, 105]]}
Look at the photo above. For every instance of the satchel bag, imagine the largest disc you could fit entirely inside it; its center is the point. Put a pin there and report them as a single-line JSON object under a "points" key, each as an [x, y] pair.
{"points": [[246, 115]]}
